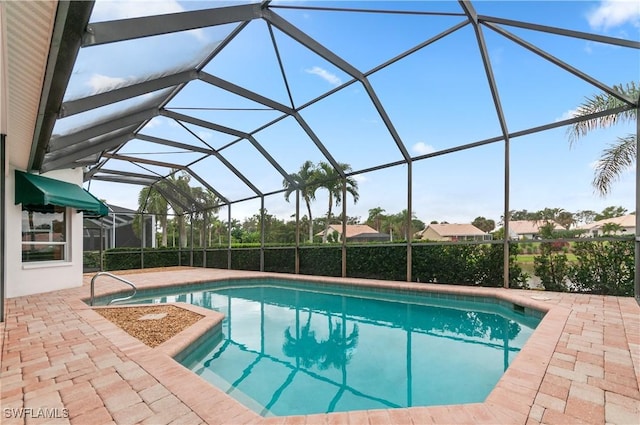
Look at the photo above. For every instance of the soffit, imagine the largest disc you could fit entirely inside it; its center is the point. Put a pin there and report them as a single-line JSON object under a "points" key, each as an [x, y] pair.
{"points": [[29, 26]]}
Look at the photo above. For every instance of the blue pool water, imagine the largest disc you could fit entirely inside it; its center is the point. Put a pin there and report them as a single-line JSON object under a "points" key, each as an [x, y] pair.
{"points": [[296, 350]]}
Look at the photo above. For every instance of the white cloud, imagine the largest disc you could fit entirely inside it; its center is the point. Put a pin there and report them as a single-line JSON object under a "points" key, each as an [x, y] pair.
{"points": [[115, 10], [613, 13], [100, 83], [567, 115], [421, 148], [207, 136], [360, 178], [325, 75], [153, 123]]}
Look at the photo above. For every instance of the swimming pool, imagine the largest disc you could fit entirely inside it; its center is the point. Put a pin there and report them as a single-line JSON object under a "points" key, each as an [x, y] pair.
{"points": [[300, 348]]}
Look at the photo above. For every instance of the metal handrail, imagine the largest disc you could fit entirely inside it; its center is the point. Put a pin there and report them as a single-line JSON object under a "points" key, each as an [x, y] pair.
{"points": [[135, 290]]}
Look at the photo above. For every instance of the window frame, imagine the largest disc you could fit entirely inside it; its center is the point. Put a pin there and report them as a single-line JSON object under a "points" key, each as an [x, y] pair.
{"points": [[64, 244]]}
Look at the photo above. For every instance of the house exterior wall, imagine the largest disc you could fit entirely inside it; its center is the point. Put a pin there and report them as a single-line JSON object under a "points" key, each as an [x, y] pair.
{"points": [[33, 278], [432, 235], [597, 231], [22, 72], [525, 236]]}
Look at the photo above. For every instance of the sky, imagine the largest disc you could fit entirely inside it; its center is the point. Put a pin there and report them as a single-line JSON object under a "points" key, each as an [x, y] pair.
{"points": [[436, 98]]}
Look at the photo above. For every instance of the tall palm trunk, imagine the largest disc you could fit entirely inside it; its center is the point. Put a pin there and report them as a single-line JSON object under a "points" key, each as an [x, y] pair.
{"points": [[326, 223], [308, 202], [182, 232], [163, 224]]}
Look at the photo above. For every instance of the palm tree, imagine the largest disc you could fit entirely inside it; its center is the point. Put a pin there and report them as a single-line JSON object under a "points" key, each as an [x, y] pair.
{"points": [[152, 202], [304, 179], [375, 217], [208, 203], [621, 154], [180, 181], [331, 180]]}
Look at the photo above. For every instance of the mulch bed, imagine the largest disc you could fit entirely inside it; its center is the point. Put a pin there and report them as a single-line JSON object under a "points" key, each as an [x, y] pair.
{"points": [[152, 332]]}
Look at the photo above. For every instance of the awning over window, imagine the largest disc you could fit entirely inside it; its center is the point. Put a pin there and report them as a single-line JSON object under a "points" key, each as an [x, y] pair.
{"points": [[34, 190]]}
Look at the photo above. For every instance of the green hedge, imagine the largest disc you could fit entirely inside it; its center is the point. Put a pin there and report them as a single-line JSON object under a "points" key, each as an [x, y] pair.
{"points": [[459, 264], [377, 262], [246, 259], [91, 260], [600, 267], [217, 258], [159, 258], [122, 259], [321, 261], [282, 260]]}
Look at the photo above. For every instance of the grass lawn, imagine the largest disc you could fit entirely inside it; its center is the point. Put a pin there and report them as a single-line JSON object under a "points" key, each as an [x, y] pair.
{"points": [[528, 258]]}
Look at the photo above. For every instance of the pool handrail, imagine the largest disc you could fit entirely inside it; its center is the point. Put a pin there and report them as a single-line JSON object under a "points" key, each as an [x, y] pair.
{"points": [[135, 290]]}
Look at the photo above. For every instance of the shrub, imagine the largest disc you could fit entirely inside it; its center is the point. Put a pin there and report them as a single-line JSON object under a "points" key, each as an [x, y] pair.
{"points": [[377, 262], [321, 261], [604, 267], [551, 266], [91, 259]]}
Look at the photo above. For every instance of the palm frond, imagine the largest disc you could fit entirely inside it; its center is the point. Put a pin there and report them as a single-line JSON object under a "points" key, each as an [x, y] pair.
{"points": [[614, 160], [599, 103]]}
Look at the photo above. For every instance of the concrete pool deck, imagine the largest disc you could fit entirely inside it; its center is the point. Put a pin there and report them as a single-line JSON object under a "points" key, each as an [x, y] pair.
{"points": [[64, 363]]}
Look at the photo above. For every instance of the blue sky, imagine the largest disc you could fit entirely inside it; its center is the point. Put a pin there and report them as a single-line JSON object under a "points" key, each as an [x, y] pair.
{"points": [[437, 98]]}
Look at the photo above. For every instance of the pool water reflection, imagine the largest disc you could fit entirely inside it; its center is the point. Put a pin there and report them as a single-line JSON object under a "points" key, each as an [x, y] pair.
{"points": [[292, 351]]}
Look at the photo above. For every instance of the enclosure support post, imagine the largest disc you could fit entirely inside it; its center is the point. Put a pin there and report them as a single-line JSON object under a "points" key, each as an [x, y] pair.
{"points": [[143, 241], [262, 233], [471, 13], [102, 243], [176, 223], [344, 227], [191, 244], [204, 233], [154, 243], [409, 221], [636, 290], [506, 214], [113, 230], [229, 237], [297, 253]]}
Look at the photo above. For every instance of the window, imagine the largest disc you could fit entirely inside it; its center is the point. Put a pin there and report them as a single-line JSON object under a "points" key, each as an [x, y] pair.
{"points": [[44, 233]]}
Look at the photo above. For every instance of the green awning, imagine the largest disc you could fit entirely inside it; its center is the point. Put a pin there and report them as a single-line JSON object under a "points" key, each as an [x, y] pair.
{"points": [[37, 191]]}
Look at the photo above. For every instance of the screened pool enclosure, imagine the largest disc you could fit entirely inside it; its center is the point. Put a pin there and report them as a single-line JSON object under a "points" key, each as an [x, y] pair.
{"points": [[446, 110]]}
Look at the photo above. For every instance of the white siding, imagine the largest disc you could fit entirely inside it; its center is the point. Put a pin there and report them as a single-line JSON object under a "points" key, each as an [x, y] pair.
{"points": [[34, 278]]}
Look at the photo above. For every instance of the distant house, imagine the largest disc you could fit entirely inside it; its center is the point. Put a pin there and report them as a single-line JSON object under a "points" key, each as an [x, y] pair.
{"points": [[529, 229], [356, 233], [453, 232], [627, 225]]}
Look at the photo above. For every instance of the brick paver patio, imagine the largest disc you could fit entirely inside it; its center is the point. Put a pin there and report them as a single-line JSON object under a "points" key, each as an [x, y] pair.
{"points": [[68, 364]]}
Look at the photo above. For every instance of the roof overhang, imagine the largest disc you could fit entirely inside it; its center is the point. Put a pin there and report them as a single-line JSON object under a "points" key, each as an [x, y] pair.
{"points": [[70, 23]]}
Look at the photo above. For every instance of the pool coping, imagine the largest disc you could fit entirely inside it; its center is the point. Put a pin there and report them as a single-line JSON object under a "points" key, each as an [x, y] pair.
{"points": [[519, 383]]}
